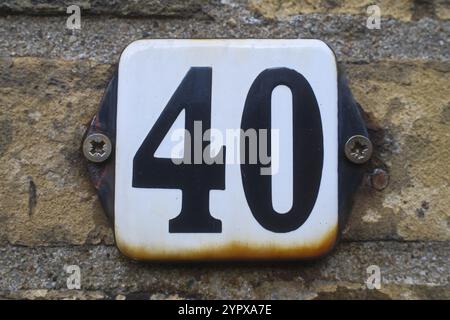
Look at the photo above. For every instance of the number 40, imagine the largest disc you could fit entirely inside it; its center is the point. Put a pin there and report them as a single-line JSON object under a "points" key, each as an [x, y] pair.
{"points": [[196, 180]]}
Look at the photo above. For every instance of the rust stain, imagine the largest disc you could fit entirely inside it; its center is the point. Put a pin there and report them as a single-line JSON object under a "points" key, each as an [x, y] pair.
{"points": [[234, 250]]}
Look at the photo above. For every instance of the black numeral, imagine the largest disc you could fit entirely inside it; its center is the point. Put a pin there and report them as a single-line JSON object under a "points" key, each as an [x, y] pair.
{"points": [[307, 144], [195, 180]]}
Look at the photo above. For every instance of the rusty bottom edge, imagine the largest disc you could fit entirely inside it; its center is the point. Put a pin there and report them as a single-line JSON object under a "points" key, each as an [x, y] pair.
{"points": [[234, 250]]}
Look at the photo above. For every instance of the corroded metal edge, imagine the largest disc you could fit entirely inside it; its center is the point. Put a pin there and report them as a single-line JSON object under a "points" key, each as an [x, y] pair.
{"points": [[350, 123], [235, 251], [103, 174]]}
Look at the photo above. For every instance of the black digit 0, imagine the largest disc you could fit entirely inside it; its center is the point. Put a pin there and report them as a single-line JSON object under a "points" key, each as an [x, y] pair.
{"points": [[307, 153], [195, 180]]}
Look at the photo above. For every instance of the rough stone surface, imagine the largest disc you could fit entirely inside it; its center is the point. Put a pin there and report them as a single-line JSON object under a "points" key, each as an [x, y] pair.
{"points": [[443, 10], [40, 272], [139, 8], [104, 39], [47, 198], [405, 10], [271, 9], [52, 79], [406, 111], [281, 9]]}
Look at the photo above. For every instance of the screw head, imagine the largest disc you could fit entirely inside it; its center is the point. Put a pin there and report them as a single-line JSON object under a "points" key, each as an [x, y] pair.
{"points": [[97, 147], [358, 149], [379, 179]]}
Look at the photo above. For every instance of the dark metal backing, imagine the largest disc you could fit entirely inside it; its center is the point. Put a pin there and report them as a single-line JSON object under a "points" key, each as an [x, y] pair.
{"points": [[103, 174]]}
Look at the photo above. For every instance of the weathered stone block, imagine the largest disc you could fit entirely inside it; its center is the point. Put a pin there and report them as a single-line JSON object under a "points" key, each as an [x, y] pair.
{"points": [[279, 9], [37, 273], [47, 198]]}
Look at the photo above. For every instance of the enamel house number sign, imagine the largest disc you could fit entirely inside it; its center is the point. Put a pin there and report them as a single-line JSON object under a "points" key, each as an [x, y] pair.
{"points": [[227, 149]]}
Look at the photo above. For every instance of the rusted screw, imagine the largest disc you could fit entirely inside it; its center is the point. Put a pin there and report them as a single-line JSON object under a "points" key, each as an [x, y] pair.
{"points": [[358, 149], [379, 179], [97, 147]]}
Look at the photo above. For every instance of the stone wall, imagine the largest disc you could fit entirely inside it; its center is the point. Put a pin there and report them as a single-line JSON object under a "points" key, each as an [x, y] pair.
{"points": [[52, 79]]}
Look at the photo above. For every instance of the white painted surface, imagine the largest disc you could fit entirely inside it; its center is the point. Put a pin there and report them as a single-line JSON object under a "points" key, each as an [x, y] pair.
{"points": [[149, 73], [282, 176]]}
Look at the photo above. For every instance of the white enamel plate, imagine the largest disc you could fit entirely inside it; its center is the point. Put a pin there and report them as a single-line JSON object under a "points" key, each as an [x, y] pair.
{"points": [[226, 149]]}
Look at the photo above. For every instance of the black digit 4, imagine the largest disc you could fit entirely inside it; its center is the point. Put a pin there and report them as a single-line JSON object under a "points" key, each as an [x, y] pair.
{"points": [[195, 180]]}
